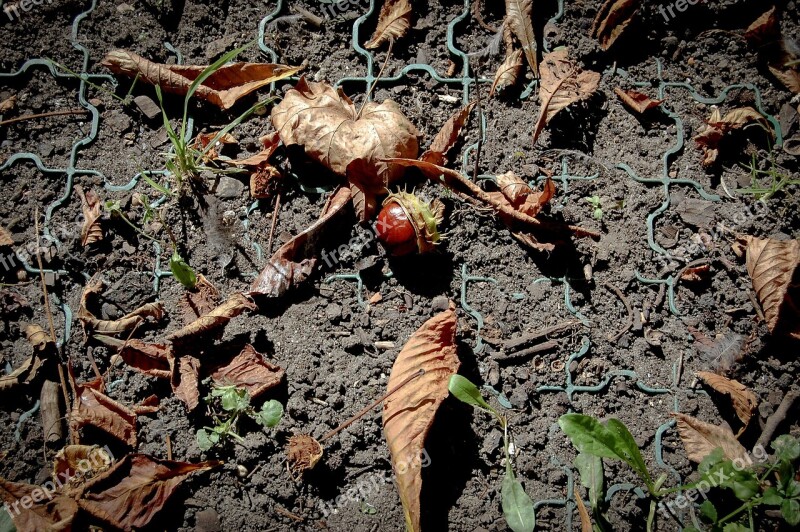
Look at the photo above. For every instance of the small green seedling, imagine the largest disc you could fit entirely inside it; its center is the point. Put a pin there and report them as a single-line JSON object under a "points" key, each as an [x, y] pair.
{"points": [[597, 209], [753, 486], [612, 441], [228, 404], [778, 180], [518, 508]]}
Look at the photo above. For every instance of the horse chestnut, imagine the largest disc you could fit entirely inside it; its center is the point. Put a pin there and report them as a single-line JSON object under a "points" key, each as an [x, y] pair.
{"points": [[406, 224]]}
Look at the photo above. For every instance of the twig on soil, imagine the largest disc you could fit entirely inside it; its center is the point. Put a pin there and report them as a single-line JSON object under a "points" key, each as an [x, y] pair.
{"points": [[274, 222], [169, 446], [777, 418], [308, 16], [380, 75], [44, 115], [370, 406], [628, 308], [290, 515], [49, 315], [517, 343]]}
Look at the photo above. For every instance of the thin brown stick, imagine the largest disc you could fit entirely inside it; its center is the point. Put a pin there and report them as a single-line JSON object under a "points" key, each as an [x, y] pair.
{"points": [[290, 515], [629, 323], [49, 314], [476, 12], [370, 406], [274, 223], [168, 442], [43, 115], [777, 418], [375, 82], [94, 364], [517, 343]]}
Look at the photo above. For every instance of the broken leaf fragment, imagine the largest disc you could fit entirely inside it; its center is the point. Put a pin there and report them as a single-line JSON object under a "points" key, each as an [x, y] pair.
{"points": [[519, 18], [638, 102], [394, 22], [772, 265], [224, 87], [408, 414], [74, 465], [215, 320], [447, 136], [700, 439], [91, 232], [135, 489], [743, 400], [352, 144], [249, 370], [612, 19], [718, 127], [303, 453], [8, 105], [507, 73], [563, 83], [92, 407]]}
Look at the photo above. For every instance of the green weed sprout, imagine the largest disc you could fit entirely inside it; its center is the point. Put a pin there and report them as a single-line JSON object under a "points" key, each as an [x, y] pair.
{"points": [[518, 508], [778, 180], [228, 405], [597, 209]]}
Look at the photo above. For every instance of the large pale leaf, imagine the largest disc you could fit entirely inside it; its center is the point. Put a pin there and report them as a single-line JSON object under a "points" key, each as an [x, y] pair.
{"points": [[562, 84], [519, 15], [743, 400], [328, 126], [224, 87], [136, 488], [771, 265], [612, 19], [408, 414], [394, 22], [701, 438]]}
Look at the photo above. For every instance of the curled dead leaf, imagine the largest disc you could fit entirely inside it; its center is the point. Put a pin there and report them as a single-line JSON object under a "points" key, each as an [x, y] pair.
{"points": [[249, 370], [74, 465], [264, 178], [637, 101], [764, 28], [743, 400], [294, 261], [700, 439], [507, 73], [612, 19], [214, 320], [408, 414], [519, 19], [352, 145], [202, 141], [27, 372], [303, 453], [135, 489], [772, 265], [718, 127], [447, 136], [394, 22], [147, 358], [199, 301], [223, 88], [185, 380], [696, 274], [562, 84], [91, 407], [125, 324], [91, 231]]}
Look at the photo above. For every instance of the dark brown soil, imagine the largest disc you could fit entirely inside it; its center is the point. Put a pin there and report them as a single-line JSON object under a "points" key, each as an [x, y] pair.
{"points": [[324, 335]]}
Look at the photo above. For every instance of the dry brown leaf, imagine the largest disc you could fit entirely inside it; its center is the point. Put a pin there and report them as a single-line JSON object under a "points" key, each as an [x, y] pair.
{"points": [[52, 515], [198, 301], [637, 101], [5, 237], [8, 105], [700, 439], [136, 488], [612, 19], [743, 400], [562, 84], [269, 143], [294, 261], [302, 453], [517, 195], [44, 350], [788, 76], [202, 141], [711, 138], [408, 414], [74, 465], [764, 28], [507, 73], [394, 22], [215, 320], [223, 88], [185, 380], [586, 521], [91, 231], [772, 265], [249, 370], [150, 359], [94, 408], [327, 125], [519, 19], [696, 274], [447, 137], [149, 405], [125, 324]]}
